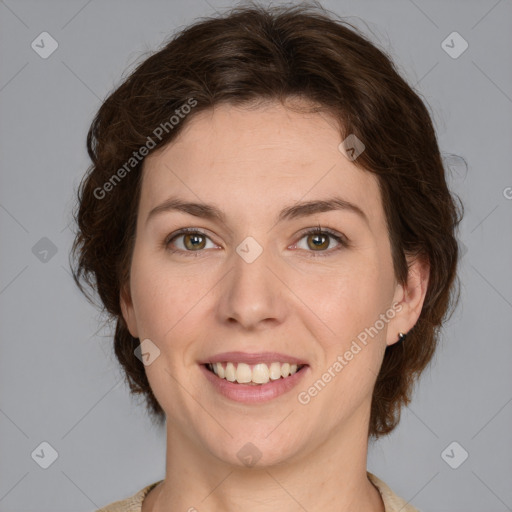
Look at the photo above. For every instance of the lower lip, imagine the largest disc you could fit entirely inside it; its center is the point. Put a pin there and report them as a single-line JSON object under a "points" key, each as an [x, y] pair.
{"points": [[250, 394]]}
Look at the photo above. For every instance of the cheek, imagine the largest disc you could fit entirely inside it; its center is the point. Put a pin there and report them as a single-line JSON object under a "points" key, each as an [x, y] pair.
{"points": [[161, 297], [164, 303], [348, 297], [350, 303]]}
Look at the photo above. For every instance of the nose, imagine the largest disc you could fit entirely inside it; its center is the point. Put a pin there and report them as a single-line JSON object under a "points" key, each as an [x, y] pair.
{"points": [[252, 295]]}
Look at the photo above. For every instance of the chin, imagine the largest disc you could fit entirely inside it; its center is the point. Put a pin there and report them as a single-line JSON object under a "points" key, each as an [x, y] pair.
{"points": [[255, 450]]}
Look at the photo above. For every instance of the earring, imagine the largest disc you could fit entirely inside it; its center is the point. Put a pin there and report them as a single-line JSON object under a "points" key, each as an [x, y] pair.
{"points": [[401, 336]]}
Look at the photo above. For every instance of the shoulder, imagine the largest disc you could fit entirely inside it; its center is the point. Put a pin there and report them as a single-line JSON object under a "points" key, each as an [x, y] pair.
{"points": [[392, 502], [131, 504]]}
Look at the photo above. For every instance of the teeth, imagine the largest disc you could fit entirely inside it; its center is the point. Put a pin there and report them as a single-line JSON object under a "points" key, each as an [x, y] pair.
{"points": [[243, 373], [230, 372], [258, 374], [275, 371], [219, 370]]}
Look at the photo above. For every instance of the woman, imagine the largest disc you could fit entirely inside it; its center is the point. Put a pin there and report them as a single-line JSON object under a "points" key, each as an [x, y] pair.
{"points": [[267, 219]]}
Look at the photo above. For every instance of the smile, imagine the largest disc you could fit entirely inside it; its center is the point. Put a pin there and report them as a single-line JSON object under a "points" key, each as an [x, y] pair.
{"points": [[248, 390], [256, 374]]}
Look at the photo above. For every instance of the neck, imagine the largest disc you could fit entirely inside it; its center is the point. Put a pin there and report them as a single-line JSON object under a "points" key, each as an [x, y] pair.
{"points": [[330, 477]]}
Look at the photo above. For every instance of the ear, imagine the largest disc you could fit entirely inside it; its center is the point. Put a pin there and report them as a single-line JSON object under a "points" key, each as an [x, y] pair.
{"points": [[408, 299], [128, 311]]}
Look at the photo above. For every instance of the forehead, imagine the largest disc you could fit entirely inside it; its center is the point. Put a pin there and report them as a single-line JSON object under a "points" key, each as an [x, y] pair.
{"points": [[254, 161]]}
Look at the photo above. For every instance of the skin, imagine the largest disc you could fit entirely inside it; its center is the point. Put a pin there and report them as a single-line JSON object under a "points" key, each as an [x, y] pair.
{"points": [[251, 163]]}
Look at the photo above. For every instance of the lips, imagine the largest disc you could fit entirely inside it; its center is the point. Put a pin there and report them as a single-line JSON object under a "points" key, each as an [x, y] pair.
{"points": [[253, 377], [253, 393]]}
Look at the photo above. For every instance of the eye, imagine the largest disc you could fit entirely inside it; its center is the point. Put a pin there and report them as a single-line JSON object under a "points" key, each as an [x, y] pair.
{"points": [[319, 240], [192, 240]]}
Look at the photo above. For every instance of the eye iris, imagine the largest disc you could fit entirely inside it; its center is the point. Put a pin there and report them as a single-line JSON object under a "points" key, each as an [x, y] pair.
{"points": [[193, 244], [315, 245], [196, 241]]}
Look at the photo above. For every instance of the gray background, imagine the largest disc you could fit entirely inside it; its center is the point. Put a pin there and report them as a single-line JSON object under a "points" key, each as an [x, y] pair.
{"points": [[59, 381]]}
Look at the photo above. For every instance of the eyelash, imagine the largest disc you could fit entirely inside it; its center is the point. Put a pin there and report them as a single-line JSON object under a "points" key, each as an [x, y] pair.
{"points": [[343, 242]]}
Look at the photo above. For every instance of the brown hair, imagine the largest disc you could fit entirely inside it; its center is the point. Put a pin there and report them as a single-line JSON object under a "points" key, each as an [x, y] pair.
{"points": [[256, 54]]}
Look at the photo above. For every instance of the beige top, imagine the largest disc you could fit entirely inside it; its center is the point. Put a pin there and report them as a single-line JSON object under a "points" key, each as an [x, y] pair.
{"points": [[392, 502]]}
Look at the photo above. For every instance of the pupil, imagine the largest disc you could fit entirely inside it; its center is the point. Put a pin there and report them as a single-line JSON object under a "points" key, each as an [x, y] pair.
{"points": [[194, 240], [319, 240]]}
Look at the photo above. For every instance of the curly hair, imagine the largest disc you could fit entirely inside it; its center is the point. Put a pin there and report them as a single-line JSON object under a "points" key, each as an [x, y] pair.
{"points": [[252, 54]]}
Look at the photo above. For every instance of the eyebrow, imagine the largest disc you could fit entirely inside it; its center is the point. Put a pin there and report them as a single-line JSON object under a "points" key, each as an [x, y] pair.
{"points": [[211, 212]]}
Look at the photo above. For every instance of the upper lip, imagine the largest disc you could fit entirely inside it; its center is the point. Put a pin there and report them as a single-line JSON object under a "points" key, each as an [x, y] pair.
{"points": [[253, 358]]}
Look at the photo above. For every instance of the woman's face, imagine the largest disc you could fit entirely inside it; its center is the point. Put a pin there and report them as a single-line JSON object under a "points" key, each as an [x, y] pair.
{"points": [[255, 284]]}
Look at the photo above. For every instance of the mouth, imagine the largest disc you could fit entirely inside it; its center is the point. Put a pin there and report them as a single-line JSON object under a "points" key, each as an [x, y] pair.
{"points": [[253, 379], [257, 374]]}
